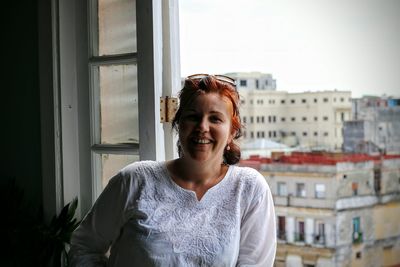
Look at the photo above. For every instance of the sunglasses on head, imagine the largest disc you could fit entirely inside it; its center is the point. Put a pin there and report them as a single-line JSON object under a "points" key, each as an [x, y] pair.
{"points": [[221, 78]]}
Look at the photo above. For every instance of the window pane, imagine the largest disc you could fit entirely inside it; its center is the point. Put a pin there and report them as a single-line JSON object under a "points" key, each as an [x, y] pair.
{"points": [[117, 26], [111, 164], [118, 104]]}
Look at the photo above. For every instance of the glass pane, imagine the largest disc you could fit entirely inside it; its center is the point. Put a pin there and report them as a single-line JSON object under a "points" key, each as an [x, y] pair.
{"points": [[117, 26], [111, 164], [118, 104]]}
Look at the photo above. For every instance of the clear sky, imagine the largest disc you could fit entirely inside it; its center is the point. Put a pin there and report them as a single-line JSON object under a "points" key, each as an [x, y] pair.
{"points": [[307, 45]]}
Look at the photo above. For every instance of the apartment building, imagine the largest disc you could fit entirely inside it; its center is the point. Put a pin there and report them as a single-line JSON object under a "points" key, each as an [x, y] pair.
{"points": [[253, 81], [334, 209], [374, 127], [309, 119]]}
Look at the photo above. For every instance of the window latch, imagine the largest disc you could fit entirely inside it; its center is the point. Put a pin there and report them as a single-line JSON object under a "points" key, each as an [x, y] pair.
{"points": [[168, 107]]}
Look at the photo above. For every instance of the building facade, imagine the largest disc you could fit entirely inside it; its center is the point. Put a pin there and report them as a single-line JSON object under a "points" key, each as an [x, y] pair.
{"points": [[311, 120], [253, 81], [335, 209], [374, 127]]}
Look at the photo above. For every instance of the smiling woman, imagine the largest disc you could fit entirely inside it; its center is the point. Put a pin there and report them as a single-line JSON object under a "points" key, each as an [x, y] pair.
{"points": [[197, 210]]}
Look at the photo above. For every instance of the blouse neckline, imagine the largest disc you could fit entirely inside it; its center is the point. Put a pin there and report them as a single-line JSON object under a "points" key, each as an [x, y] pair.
{"points": [[208, 193]]}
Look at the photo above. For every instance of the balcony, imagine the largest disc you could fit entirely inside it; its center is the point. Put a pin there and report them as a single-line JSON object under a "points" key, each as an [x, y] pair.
{"points": [[319, 239], [281, 235], [299, 237], [357, 237]]}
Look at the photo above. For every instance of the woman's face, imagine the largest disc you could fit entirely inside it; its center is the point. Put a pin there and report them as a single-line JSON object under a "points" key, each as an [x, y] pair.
{"points": [[205, 128]]}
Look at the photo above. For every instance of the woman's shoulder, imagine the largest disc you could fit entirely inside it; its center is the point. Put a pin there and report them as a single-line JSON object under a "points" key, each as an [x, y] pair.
{"points": [[140, 171], [250, 179]]}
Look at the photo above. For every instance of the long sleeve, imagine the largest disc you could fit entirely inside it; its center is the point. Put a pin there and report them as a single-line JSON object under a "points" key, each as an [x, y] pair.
{"points": [[258, 232], [101, 226]]}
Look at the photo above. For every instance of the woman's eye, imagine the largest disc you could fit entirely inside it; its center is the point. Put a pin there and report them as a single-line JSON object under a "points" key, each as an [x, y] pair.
{"points": [[216, 119], [191, 117]]}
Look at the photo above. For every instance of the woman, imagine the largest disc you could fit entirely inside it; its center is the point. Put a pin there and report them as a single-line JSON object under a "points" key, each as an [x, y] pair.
{"points": [[197, 210]]}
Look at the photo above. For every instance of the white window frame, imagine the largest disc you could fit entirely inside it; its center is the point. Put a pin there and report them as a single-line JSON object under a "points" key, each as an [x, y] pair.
{"points": [[158, 75]]}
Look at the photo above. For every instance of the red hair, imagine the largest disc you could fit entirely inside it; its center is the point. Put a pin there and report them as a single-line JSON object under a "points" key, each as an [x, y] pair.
{"points": [[210, 84]]}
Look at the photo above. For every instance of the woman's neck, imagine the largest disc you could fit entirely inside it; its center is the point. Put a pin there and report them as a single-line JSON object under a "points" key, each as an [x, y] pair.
{"points": [[198, 177]]}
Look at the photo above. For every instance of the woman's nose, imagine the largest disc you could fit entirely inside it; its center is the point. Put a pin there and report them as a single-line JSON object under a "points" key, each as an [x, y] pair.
{"points": [[203, 124]]}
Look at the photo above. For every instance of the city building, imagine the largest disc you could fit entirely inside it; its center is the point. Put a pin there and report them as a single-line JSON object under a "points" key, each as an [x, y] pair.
{"points": [[309, 120], [374, 127], [253, 80], [334, 209]]}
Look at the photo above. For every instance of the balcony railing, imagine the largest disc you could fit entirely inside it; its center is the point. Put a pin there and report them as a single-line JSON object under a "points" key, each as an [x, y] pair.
{"points": [[299, 237], [319, 239], [357, 237], [281, 234]]}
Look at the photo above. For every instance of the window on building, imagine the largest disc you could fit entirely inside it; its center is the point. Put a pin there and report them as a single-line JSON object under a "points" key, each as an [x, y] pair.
{"points": [[358, 255], [274, 133], [292, 101], [326, 134], [315, 133], [258, 119], [273, 118], [293, 133], [300, 231], [320, 191], [281, 231], [325, 118], [315, 100], [282, 189], [303, 101], [304, 118], [269, 118], [242, 101], [304, 133], [334, 99], [293, 118], [325, 100], [244, 119], [300, 190], [341, 99], [282, 101], [283, 119], [251, 119], [262, 119], [354, 188], [342, 116], [243, 83], [357, 233], [319, 232], [257, 85], [262, 134], [251, 134], [269, 134], [315, 118]]}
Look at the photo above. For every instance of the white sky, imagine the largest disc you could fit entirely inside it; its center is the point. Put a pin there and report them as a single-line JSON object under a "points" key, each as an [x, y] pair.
{"points": [[307, 45]]}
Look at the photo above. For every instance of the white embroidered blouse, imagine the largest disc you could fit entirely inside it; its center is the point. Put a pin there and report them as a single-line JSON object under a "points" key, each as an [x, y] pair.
{"points": [[148, 220]]}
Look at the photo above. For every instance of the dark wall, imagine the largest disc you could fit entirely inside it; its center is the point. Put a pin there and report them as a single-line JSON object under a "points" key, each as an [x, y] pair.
{"points": [[21, 100]]}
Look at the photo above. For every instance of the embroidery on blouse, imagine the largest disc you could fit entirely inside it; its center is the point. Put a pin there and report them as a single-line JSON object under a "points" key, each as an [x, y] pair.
{"points": [[199, 231]]}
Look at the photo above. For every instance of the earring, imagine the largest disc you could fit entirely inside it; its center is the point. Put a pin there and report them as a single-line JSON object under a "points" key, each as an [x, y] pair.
{"points": [[228, 148]]}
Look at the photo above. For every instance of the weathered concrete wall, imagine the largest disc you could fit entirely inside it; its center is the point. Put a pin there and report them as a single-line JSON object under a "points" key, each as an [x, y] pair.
{"points": [[360, 173], [344, 224], [390, 179], [386, 220]]}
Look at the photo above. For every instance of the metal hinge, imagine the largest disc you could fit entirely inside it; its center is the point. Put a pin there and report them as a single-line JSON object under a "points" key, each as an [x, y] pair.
{"points": [[168, 107]]}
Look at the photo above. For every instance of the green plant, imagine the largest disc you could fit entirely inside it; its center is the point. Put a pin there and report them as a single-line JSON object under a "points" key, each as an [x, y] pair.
{"points": [[57, 236], [29, 240]]}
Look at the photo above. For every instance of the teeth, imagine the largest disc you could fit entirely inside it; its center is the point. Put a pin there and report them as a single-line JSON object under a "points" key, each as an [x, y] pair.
{"points": [[202, 141]]}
